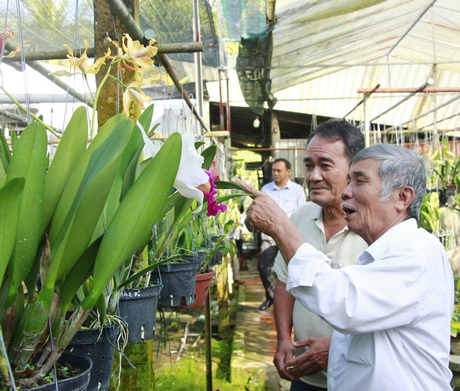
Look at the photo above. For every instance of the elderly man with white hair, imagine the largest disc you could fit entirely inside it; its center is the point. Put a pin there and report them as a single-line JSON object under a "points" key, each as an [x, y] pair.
{"points": [[391, 313]]}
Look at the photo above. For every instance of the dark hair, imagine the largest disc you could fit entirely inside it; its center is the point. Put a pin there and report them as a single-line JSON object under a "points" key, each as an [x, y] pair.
{"points": [[398, 167], [339, 129], [286, 162]]}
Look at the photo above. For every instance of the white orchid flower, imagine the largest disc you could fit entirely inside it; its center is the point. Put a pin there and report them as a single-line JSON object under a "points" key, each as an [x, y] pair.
{"points": [[192, 181], [190, 175]]}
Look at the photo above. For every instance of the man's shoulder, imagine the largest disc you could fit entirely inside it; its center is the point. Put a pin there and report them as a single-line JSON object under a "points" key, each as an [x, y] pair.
{"points": [[294, 185], [308, 208], [267, 186]]}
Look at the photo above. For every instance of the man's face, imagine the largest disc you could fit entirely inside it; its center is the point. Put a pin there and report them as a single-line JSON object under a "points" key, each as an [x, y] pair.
{"points": [[280, 173], [366, 215], [326, 169]]}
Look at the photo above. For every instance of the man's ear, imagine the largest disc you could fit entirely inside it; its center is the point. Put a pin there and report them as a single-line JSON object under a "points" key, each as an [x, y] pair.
{"points": [[405, 197]]}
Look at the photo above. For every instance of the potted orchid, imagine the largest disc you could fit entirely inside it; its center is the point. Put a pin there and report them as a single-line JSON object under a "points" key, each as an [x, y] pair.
{"points": [[77, 221]]}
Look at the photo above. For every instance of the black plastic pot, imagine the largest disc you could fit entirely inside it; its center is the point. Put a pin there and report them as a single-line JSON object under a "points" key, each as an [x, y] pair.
{"points": [[178, 281], [99, 347], [217, 258], [139, 309], [77, 383]]}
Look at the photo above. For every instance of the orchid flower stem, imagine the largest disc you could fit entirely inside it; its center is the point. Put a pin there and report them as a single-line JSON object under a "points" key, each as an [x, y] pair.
{"points": [[89, 88], [49, 128], [118, 81]]}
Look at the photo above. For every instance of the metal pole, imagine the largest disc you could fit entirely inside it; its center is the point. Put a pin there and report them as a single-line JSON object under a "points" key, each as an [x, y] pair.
{"points": [[221, 105], [198, 61], [208, 336], [366, 123]]}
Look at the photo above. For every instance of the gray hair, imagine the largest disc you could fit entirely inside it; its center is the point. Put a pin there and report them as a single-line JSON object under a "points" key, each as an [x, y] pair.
{"points": [[398, 167]]}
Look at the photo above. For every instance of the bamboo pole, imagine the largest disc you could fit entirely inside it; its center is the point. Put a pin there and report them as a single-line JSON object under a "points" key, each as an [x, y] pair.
{"points": [[190, 47]]}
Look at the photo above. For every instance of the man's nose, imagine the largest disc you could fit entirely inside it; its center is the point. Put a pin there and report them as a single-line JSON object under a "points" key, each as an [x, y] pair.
{"points": [[346, 193], [315, 175]]}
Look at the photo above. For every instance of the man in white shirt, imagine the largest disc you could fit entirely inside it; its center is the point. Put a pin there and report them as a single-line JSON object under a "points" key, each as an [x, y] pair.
{"points": [[330, 147], [289, 196], [391, 313]]}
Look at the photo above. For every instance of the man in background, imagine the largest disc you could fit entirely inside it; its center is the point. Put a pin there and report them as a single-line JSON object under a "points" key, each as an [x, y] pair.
{"points": [[289, 196], [321, 222]]}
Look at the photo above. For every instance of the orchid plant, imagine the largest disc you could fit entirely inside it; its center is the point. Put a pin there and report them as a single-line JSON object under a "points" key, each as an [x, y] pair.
{"points": [[76, 222]]}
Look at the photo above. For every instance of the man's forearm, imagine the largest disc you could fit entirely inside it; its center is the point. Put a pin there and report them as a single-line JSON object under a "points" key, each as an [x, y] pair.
{"points": [[288, 240], [284, 304]]}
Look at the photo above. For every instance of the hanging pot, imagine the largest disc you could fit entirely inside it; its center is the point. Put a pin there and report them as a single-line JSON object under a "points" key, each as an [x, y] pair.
{"points": [[139, 308], [76, 383], [203, 283], [178, 281], [99, 346], [217, 258]]}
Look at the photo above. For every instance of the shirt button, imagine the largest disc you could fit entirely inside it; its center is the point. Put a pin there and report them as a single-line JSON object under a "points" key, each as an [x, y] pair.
{"points": [[343, 339], [331, 372]]}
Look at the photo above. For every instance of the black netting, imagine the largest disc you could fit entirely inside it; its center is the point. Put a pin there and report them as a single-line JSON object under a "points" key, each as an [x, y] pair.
{"points": [[253, 68]]}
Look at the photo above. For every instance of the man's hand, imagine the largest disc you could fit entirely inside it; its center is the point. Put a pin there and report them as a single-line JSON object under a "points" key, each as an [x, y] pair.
{"points": [[285, 351], [264, 214], [312, 361]]}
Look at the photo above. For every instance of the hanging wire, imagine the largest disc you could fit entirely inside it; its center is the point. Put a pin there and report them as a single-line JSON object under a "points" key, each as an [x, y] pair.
{"points": [[5, 355], [23, 61]]}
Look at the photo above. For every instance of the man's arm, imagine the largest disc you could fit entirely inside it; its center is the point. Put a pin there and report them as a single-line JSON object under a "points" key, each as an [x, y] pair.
{"points": [[285, 350]]}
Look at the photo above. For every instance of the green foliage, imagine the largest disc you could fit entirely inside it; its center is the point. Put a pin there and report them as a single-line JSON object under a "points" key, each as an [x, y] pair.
{"points": [[455, 323], [78, 222]]}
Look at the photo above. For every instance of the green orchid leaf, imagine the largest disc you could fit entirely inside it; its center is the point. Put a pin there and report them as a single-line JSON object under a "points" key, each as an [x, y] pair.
{"points": [[29, 162], [145, 120], [10, 196], [139, 210], [209, 154], [2, 175], [69, 151], [73, 184], [88, 204], [5, 153], [226, 185]]}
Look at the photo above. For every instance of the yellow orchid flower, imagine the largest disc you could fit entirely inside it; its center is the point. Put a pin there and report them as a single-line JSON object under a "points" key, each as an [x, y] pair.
{"points": [[135, 56], [81, 63], [134, 99]]}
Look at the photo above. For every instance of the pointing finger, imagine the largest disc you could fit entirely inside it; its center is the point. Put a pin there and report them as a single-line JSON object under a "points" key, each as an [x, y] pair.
{"points": [[246, 187]]}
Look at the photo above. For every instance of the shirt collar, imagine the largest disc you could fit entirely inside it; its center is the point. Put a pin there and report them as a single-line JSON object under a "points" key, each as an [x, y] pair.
{"points": [[378, 248], [274, 187], [317, 215]]}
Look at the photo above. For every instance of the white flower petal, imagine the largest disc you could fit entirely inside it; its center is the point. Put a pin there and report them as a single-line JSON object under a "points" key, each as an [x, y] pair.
{"points": [[190, 192], [149, 148], [190, 170]]}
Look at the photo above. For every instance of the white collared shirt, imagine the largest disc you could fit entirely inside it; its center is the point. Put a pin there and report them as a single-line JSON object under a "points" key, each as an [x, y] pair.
{"points": [[289, 197], [391, 313], [342, 249]]}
